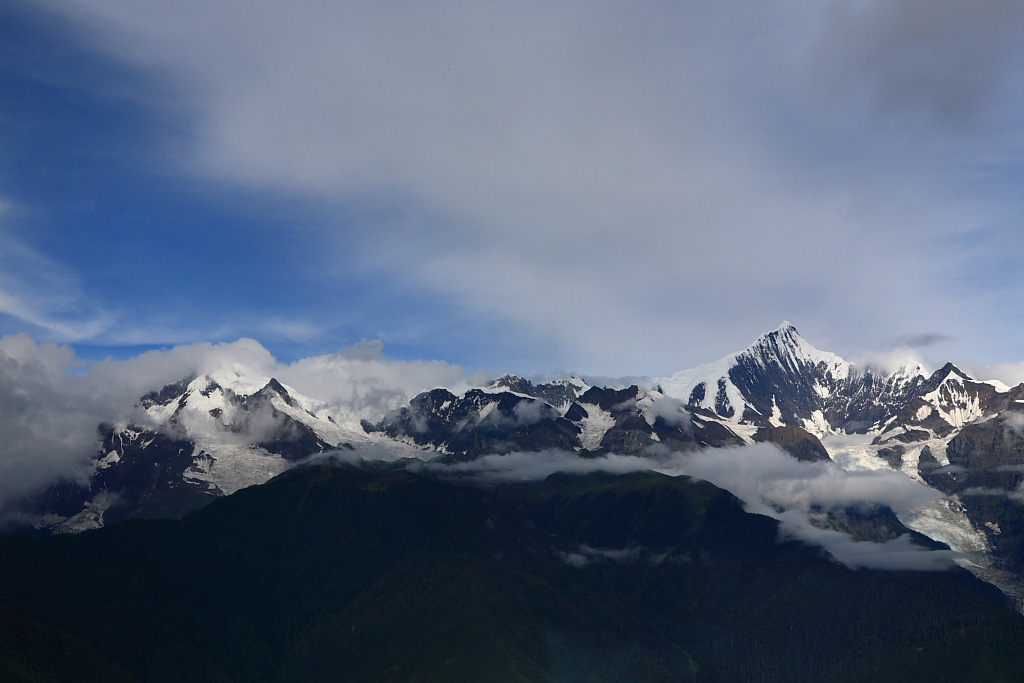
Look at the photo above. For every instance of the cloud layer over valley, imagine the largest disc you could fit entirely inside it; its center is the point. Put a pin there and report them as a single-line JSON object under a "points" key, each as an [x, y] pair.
{"points": [[767, 480]]}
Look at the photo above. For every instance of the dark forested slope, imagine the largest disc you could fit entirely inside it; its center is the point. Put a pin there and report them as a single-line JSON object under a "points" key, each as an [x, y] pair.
{"points": [[328, 573]]}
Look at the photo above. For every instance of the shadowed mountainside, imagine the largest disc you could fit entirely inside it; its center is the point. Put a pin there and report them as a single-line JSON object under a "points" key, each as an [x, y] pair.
{"points": [[330, 573]]}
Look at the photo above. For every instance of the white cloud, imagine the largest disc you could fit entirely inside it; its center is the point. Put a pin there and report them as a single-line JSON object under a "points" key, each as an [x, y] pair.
{"points": [[586, 555], [940, 59], [672, 410], [362, 380], [1014, 420], [359, 380], [528, 412], [1010, 374], [892, 360], [613, 177], [762, 473], [48, 419], [897, 554], [1016, 495]]}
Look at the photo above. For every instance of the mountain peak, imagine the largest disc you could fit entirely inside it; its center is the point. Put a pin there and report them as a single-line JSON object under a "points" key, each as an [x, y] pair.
{"points": [[950, 369], [785, 346], [779, 377], [785, 335]]}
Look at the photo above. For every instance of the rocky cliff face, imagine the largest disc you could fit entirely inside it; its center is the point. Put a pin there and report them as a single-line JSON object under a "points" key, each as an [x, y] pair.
{"points": [[478, 423], [599, 420]]}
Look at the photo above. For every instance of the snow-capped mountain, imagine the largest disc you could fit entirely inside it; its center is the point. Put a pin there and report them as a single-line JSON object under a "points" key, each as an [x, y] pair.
{"points": [[496, 420], [192, 441], [221, 430], [956, 434], [781, 379], [235, 409]]}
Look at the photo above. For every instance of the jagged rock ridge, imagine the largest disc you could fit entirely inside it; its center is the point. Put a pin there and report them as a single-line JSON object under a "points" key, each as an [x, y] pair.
{"points": [[781, 379]]}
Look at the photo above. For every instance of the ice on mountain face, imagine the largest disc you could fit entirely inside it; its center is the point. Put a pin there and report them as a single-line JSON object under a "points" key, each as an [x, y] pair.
{"points": [[682, 384], [235, 378], [744, 431], [954, 403], [817, 424], [231, 467], [945, 520], [227, 424], [108, 460], [91, 517], [653, 404], [858, 452], [782, 379], [595, 426], [776, 417], [853, 453], [558, 393], [720, 395], [786, 347]]}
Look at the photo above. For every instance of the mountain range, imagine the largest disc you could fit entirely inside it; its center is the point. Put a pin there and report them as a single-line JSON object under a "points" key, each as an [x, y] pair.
{"points": [[226, 434], [211, 434]]}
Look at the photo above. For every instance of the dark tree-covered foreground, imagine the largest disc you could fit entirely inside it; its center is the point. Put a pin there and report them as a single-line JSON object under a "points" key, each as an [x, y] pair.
{"points": [[331, 574]]}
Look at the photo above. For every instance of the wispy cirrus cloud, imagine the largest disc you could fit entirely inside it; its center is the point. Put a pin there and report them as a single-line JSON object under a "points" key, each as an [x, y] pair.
{"points": [[45, 296]]}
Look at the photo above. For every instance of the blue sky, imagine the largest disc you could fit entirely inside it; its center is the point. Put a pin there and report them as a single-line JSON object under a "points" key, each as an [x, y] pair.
{"points": [[607, 188], [115, 248]]}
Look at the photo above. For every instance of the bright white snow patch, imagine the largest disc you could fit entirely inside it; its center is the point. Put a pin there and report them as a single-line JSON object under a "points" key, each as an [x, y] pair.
{"points": [[817, 425], [594, 426], [776, 418], [232, 467]]}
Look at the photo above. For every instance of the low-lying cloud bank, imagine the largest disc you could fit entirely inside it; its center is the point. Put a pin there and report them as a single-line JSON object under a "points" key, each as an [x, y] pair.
{"points": [[586, 555], [768, 481]]}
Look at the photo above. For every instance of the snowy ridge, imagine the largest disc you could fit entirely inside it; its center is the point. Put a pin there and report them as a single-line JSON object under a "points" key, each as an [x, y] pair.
{"points": [[712, 377], [229, 405], [231, 417], [782, 354], [955, 401], [781, 379], [786, 348]]}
